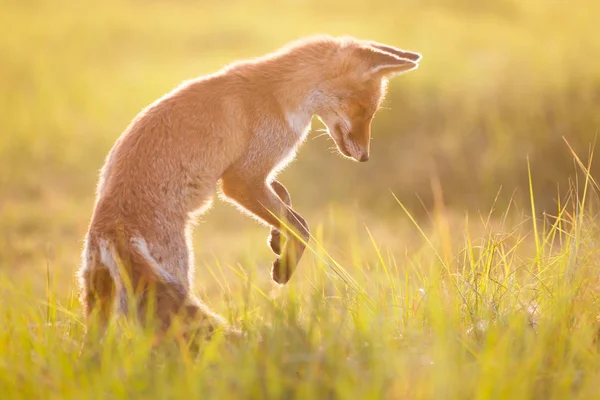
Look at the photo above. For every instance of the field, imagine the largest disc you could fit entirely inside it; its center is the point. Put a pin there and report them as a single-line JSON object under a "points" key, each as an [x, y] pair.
{"points": [[460, 262]]}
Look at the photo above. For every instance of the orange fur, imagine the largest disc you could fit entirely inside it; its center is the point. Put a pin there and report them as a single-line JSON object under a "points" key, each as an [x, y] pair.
{"points": [[239, 126]]}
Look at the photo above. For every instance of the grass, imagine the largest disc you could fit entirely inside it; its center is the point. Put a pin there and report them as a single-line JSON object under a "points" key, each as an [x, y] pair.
{"points": [[460, 262], [504, 310]]}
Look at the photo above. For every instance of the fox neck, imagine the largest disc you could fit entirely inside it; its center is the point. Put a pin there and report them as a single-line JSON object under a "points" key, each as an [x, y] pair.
{"points": [[300, 98], [299, 114]]}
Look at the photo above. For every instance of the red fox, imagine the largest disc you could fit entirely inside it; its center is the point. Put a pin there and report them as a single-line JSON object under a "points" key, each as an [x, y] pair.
{"points": [[238, 127]]}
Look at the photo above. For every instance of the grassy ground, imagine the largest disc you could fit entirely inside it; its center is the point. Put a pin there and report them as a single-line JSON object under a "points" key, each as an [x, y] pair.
{"points": [[459, 302], [502, 309]]}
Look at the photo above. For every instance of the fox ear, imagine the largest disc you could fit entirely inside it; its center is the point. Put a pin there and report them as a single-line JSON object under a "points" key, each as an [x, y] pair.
{"points": [[410, 55], [382, 63]]}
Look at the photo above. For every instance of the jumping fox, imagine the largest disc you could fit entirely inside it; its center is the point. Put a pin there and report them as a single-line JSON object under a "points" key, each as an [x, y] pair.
{"points": [[238, 127]]}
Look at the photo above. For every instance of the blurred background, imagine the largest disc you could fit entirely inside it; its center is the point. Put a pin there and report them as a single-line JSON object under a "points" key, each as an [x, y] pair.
{"points": [[501, 82]]}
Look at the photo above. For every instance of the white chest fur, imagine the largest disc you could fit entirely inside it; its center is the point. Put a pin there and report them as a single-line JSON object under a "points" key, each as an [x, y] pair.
{"points": [[274, 144]]}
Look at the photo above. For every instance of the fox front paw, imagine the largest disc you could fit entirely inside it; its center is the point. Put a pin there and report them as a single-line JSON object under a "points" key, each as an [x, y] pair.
{"points": [[280, 273], [275, 241]]}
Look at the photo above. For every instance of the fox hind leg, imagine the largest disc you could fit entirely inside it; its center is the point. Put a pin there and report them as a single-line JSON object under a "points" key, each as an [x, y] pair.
{"points": [[163, 298], [97, 292], [168, 309]]}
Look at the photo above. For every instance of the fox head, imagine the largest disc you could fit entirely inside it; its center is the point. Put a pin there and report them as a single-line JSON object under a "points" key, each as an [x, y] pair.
{"points": [[350, 98]]}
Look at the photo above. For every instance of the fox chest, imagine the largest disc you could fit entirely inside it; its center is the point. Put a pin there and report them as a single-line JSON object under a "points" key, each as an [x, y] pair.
{"points": [[273, 149]]}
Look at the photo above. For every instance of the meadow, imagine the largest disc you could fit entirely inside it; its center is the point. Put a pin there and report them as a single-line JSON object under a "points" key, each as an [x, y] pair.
{"points": [[460, 262]]}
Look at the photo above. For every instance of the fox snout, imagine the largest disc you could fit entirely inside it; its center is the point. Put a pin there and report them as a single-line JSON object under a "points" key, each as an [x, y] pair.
{"points": [[358, 151], [351, 148]]}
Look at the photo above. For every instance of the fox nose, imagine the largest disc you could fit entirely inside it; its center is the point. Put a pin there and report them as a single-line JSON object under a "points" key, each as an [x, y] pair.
{"points": [[364, 157]]}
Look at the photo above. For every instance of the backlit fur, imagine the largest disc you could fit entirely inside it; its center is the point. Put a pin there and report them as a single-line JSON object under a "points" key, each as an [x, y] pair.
{"points": [[237, 127]]}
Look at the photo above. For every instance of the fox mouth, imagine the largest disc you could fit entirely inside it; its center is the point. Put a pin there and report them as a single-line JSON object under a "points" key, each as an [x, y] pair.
{"points": [[343, 149], [340, 141], [345, 144], [348, 147]]}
